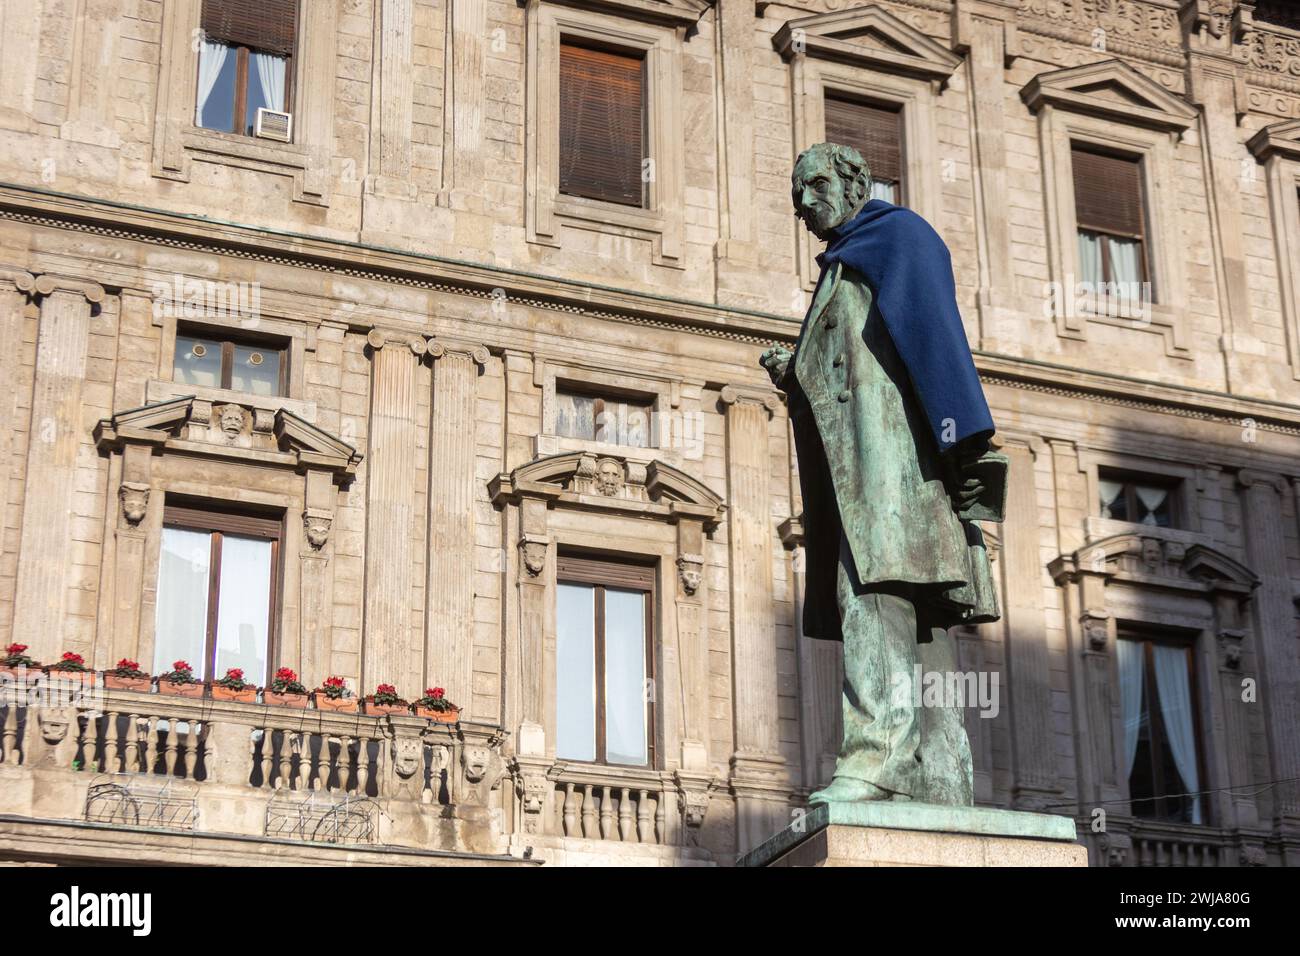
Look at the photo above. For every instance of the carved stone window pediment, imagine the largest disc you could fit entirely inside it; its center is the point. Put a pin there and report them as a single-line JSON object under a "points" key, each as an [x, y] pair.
{"points": [[1113, 90]]}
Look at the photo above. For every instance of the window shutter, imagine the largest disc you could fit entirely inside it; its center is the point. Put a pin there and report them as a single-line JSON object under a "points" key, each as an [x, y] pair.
{"points": [[874, 131], [1107, 193], [602, 124], [267, 25]]}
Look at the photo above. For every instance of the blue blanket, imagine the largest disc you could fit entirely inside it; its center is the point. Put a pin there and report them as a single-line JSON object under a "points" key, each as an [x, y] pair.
{"points": [[909, 271]]}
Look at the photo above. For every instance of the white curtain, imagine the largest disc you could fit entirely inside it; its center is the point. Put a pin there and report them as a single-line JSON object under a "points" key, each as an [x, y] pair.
{"points": [[244, 607], [1176, 708], [181, 618], [270, 75], [1126, 270], [212, 57], [1151, 499], [1131, 667], [1110, 490], [884, 190], [1090, 260]]}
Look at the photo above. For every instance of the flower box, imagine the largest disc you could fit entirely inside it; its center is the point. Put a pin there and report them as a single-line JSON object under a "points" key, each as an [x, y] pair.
{"points": [[437, 716], [17, 673], [84, 678], [297, 701], [141, 685], [173, 689], [246, 695], [340, 705], [401, 707]]}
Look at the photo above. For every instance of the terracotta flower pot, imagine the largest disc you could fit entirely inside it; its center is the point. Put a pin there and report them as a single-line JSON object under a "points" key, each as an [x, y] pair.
{"points": [[141, 685], [173, 689], [438, 716], [84, 678], [246, 696], [297, 701], [398, 708], [341, 705], [31, 673]]}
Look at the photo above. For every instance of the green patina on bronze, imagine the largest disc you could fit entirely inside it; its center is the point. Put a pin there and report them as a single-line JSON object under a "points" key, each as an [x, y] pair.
{"points": [[892, 562]]}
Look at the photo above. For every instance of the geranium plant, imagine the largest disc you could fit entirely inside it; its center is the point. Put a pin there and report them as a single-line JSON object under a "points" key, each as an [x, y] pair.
{"points": [[435, 698], [286, 681], [127, 668], [16, 656], [335, 688], [70, 662], [181, 673], [234, 680]]}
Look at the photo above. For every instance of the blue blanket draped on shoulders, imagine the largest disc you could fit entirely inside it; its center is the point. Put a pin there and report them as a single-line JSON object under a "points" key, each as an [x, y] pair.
{"points": [[909, 270]]}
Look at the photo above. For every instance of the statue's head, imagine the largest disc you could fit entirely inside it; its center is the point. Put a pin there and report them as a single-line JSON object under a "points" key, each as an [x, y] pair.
{"points": [[829, 185]]}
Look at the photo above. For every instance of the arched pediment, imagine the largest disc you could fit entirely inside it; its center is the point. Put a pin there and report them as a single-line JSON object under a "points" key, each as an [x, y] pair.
{"points": [[1160, 560], [613, 481], [1277, 139], [1111, 89]]}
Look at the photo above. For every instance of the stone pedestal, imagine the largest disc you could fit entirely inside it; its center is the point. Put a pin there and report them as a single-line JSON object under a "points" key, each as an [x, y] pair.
{"points": [[919, 834]]}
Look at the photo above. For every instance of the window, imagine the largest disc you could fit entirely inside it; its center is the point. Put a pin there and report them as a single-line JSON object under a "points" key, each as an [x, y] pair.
{"points": [[217, 589], [245, 366], [603, 419], [244, 58], [876, 133], [1140, 499], [1157, 691], [604, 662], [602, 124], [1112, 226]]}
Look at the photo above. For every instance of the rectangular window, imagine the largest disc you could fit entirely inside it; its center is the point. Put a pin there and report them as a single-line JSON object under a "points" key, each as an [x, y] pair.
{"points": [[244, 366], [217, 587], [244, 56], [604, 662], [602, 124], [874, 131], [1109, 212], [602, 418], [1142, 499], [1161, 728]]}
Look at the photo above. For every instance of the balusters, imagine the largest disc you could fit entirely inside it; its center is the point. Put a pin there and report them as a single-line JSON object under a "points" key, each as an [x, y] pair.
{"points": [[625, 814], [661, 817], [172, 747], [191, 750], [589, 812], [570, 811], [363, 751], [644, 830], [282, 774], [268, 748], [146, 733], [606, 812], [9, 737], [346, 751], [110, 742]]}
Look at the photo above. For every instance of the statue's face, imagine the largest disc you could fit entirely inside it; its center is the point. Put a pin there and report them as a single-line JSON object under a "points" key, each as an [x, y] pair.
{"points": [[820, 196]]}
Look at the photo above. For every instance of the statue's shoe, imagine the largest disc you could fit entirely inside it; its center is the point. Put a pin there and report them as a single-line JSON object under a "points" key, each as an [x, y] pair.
{"points": [[849, 790]]}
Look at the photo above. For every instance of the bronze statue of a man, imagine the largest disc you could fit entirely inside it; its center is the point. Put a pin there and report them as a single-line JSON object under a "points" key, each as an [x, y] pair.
{"points": [[891, 429]]}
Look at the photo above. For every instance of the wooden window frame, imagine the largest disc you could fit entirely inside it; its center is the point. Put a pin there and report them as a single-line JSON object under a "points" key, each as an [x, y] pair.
{"points": [[1159, 736], [833, 93], [241, 89], [218, 520], [228, 344], [1106, 234], [1131, 478], [600, 397], [602, 574]]}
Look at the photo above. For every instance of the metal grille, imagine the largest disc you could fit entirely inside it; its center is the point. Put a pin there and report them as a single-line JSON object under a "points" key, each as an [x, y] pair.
{"points": [[322, 818], [135, 801]]}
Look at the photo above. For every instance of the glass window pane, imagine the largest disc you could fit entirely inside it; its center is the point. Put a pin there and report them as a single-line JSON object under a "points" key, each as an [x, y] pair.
{"points": [[256, 370], [215, 106], [182, 613], [625, 677], [575, 672], [244, 606], [575, 415], [266, 85], [197, 362]]}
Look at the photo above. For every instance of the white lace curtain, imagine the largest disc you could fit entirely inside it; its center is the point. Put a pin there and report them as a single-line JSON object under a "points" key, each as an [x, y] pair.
{"points": [[1131, 669], [270, 77], [212, 57], [1176, 708], [1110, 492], [1151, 498]]}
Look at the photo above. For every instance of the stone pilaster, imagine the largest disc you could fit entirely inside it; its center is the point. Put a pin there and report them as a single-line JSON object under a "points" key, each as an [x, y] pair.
{"points": [[20, 34], [1274, 619], [392, 99], [758, 770], [15, 287], [315, 577], [389, 652], [734, 24], [449, 621], [1034, 780], [692, 644], [92, 93], [45, 552], [466, 43]]}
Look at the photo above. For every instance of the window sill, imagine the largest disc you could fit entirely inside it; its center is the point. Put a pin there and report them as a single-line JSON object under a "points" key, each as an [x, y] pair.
{"points": [[159, 391], [1098, 529], [237, 146]]}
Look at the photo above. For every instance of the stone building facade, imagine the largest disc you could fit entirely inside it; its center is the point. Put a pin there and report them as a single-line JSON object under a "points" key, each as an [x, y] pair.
{"points": [[441, 312]]}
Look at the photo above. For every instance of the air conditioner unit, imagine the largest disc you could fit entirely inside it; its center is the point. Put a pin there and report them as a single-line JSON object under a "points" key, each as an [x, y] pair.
{"points": [[272, 124]]}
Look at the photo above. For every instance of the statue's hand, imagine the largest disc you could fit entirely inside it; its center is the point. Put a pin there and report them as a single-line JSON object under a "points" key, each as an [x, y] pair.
{"points": [[969, 484], [776, 360]]}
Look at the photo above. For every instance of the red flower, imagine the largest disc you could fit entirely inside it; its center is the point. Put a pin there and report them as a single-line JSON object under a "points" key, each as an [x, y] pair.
{"points": [[385, 689], [235, 673], [72, 658], [285, 674], [181, 666], [15, 649], [435, 692], [125, 664], [334, 682]]}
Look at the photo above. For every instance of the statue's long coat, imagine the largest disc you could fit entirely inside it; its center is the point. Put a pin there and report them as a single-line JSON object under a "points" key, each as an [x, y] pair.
{"points": [[870, 464]]}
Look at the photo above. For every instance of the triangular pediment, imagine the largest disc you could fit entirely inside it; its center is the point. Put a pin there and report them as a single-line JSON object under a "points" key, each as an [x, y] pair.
{"points": [[868, 36], [1277, 139], [1112, 89], [682, 13]]}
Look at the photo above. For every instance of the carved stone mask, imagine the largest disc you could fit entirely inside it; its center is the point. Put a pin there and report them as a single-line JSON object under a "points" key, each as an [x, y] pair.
{"points": [[232, 420], [691, 573], [317, 528], [477, 759], [407, 752], [609, 477], [135, 501], [54, 724]]}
